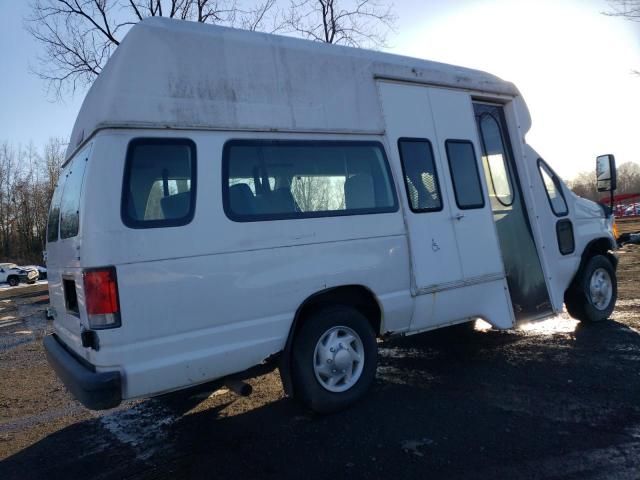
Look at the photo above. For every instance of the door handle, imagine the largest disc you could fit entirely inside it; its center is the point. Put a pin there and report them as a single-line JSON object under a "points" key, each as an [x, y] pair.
{"points": [[459, 216]]}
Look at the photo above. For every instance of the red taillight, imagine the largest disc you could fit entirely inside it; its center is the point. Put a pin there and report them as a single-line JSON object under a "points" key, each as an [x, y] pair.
{"points": [[101, 297]]}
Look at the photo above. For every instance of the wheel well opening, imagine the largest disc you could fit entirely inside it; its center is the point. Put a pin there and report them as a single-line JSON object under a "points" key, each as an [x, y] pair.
{"points": [[599, 246], [355, 296]]}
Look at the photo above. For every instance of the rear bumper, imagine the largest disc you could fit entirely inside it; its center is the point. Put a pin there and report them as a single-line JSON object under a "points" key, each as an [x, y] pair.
{"points": [[95, 390]]}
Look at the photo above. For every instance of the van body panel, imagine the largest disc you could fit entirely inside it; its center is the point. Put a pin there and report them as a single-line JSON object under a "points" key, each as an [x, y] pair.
{"points": [[560, 269], [212, 293], [64, 259], [225, 313], [216, 296]]}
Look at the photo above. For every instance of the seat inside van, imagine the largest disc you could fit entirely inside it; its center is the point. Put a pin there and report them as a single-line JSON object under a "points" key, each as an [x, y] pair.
{"points": [[291, 179]]}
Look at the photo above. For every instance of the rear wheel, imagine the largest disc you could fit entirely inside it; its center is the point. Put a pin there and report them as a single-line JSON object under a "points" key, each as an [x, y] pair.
{"points": [[13, 281], [334, 359], [593, 293]]}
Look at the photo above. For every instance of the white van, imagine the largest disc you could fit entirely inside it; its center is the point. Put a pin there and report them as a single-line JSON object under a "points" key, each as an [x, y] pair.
{"points": [[233, 199]]}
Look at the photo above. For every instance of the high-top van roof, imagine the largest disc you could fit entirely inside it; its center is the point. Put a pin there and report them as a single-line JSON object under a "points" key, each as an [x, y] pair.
{"points": [[178, 74]]}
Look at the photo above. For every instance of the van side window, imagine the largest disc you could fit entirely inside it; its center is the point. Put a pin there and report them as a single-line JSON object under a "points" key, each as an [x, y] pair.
{"points": [[464, 174], [54, 211], [269, 180], [553, 188], [159, 187], [70, 203], [420, 176]]}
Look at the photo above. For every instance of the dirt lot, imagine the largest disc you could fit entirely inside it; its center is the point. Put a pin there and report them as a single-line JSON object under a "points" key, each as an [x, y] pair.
{"points": [[551, 400]]}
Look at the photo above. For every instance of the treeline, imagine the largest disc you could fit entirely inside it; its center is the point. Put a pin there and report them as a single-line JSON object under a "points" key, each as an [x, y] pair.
{"points": [[584, 184], [28, 177]]}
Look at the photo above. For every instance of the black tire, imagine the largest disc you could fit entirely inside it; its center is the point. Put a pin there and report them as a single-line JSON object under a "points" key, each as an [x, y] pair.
{"points": [[307, 387], [578, 299], [13, 281], [31, 282]]}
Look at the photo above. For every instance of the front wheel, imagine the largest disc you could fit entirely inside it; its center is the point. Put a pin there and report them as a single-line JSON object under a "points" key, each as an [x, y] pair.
{"points": [[593, 293], [13, 281], [334, 359]]}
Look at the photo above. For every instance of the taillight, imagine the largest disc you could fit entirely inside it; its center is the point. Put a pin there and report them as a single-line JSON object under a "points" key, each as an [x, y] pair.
{"points": [[101, 297]]}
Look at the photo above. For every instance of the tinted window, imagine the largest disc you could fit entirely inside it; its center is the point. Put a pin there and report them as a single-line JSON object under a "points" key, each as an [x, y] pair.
{"points": [[553, 188], [495, 161], [464, 174], [277, 180], [420, 176], [54, 212], [159, 183], [70, 203]]}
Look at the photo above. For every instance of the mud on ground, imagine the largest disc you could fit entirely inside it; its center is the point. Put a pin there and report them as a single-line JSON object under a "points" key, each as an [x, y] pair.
{"points": [[552, 400]]}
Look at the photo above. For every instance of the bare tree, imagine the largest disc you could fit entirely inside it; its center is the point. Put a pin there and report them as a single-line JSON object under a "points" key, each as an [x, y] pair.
{"points": [[357, 23], [27, 181], [629, 9], [79, 36], [584, 184]]}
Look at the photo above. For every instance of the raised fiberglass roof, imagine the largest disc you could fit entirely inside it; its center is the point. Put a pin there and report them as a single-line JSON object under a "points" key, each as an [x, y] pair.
{"points": [[177, 74]]}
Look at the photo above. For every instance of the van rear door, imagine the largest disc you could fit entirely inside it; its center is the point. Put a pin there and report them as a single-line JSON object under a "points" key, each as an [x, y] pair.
{"points": [[64, 241]]}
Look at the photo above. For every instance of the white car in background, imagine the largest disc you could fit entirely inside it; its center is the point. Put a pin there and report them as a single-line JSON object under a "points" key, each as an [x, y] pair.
{"points": [[13, 274], [42, 271]]}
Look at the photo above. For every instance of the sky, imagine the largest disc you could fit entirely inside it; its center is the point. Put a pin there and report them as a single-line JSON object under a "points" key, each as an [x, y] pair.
{"points": [[572, 64]]}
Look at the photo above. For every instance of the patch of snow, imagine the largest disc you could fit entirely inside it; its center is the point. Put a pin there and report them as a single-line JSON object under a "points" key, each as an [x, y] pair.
{"points": [[143, 427]]}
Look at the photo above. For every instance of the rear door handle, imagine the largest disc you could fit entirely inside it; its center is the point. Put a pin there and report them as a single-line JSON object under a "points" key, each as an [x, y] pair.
{"points": [[459, 216]]}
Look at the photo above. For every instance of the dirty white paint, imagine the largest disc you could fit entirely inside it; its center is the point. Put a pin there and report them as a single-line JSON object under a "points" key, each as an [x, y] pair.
{"points": [[189, 75]]}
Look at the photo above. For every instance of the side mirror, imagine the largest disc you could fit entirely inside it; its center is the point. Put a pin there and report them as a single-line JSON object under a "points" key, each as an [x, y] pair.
{"points": [[606, 173]]}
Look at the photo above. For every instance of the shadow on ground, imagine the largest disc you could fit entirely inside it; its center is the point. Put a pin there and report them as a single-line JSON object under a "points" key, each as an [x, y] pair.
{"points": [[532, 403]]}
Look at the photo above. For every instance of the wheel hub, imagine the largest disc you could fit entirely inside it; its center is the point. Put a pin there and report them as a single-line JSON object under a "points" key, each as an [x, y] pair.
{"points": [[342, 359], [600, 289], [338, 359]]}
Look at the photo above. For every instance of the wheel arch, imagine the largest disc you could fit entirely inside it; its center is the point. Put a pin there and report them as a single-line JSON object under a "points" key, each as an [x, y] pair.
{"points": [[598, 246], [357, 296]]}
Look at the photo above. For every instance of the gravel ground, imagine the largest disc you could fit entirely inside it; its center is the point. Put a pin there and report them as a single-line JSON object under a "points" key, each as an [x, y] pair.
{"points": [[552, 400]]}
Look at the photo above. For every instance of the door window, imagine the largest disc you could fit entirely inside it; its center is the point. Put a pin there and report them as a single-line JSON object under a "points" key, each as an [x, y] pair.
{"points": [[464, 174], [553, 189], [420, 176], [495, 160]]}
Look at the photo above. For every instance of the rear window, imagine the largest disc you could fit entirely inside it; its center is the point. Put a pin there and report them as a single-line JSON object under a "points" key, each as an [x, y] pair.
{"points": [[64, 212], [54, 212], [70, 203], [159, 183], [269, 180]]}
